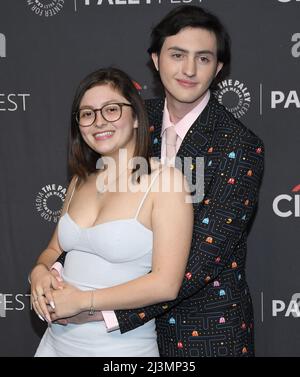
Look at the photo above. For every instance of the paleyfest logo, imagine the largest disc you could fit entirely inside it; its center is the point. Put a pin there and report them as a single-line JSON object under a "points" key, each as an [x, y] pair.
{"points": [[11, 302], [46, 8], [49, 201], [235, 96], [138, 2], [286, 205], [281, 308]]}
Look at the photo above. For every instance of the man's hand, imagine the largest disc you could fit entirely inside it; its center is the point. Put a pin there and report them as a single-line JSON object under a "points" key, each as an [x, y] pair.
{"points": [[79, 318], [56, 274]]}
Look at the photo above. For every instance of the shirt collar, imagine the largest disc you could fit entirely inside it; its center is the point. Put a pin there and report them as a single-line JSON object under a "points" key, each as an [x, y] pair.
{"points": [[185, 123]]}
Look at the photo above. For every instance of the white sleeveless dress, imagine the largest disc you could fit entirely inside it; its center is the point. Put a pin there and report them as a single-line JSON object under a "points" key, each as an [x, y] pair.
{"points": [[102, 256]]}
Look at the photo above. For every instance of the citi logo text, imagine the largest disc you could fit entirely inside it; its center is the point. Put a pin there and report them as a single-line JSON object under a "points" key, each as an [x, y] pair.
{"points": [[2, 46], [285, 205]]}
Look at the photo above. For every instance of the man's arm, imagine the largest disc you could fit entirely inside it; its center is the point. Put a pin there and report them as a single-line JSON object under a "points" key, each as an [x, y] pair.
{"points": [[60, 260], [229, 204]]}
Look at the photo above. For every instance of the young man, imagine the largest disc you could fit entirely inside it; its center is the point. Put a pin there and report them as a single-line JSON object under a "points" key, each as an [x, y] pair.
{"points": [[212, 315]]}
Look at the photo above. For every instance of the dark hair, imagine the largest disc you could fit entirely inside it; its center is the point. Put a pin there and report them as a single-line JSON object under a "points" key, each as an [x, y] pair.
{"points": [[82, 160], [195, 17]]}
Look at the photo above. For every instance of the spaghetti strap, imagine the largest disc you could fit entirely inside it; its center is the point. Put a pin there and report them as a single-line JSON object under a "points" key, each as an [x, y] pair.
{"points": [[146, 193], [75, 182]]}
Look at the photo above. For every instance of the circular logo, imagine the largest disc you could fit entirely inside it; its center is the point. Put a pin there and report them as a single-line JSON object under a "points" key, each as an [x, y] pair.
{"points": [[235, 96], [49, 201], [46, 8]]}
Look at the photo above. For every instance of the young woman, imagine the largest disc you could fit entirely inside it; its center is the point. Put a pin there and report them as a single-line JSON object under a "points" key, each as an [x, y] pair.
{"points": [[125, 225]]}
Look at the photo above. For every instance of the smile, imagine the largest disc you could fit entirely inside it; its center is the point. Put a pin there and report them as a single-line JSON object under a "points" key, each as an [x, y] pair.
{"points": [[103, 135]]}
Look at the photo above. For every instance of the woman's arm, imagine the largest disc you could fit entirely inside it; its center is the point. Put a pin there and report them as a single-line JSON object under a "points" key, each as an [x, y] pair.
{"points": [[172, 223], [41, 279]]}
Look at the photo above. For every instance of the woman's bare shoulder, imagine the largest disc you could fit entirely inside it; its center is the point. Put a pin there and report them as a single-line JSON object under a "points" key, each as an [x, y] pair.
{"points": [[169, 179]]}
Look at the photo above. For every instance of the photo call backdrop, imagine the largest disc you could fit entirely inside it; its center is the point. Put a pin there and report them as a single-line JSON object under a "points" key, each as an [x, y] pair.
{"points": [[48, 46]]}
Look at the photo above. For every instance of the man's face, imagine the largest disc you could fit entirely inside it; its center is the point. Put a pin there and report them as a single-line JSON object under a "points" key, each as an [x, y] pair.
{"points": [[188, 64]]}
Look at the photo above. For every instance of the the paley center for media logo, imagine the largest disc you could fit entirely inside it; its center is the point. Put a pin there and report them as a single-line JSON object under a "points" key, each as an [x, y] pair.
{"points": [[49, 202], [46, 8], [235, 96], [287, 205]]}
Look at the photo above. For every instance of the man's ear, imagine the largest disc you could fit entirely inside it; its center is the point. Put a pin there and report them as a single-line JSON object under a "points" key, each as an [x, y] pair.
{"points": [[219, 67], [154, 57]]}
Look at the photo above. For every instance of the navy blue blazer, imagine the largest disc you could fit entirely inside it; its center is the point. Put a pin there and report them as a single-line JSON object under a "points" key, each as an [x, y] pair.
{"points": [[213, 314]]}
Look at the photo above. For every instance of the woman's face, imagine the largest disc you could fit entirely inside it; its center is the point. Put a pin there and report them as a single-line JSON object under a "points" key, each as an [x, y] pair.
{"points": [[108, 137]]}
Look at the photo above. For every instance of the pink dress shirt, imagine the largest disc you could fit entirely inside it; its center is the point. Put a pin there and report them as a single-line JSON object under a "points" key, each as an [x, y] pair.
{"points": [[182, 126]]}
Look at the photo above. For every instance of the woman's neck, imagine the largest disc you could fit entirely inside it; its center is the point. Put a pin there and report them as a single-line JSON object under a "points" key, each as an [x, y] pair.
{"points": [[119, 161]]}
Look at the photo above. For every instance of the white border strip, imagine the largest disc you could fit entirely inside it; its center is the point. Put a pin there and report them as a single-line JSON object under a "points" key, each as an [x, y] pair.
{"points": [[260, 99], [262, 305]]}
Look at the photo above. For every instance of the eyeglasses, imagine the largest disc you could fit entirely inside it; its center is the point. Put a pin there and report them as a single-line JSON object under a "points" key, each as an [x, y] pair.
{"points": [[110, 112]]}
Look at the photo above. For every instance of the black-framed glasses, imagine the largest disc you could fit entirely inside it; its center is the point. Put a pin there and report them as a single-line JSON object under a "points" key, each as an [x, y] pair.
{"points": [[111, 113]]}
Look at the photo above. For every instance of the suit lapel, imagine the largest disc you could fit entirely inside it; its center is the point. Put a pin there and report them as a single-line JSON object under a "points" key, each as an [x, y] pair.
{"points": [[200, 140], [196, 142], [198, 137], [155, 109]]}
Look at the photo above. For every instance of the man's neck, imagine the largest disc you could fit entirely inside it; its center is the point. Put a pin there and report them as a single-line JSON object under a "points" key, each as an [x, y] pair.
{"points": [[178, 110]]}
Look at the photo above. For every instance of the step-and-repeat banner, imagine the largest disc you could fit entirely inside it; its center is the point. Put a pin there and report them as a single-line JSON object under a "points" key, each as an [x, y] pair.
{"points": [[48, 46]]}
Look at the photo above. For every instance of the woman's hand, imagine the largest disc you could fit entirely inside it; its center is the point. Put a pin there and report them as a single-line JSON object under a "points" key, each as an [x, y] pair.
{"points": [[43, 282], [68, 302]]}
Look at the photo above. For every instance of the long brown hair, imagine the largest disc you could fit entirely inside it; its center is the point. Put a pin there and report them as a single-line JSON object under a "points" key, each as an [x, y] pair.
{"points": [[82, 160]]}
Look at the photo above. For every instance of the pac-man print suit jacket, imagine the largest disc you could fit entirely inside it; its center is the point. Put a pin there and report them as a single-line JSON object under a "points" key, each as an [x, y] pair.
{"points": [[212, 315]]}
